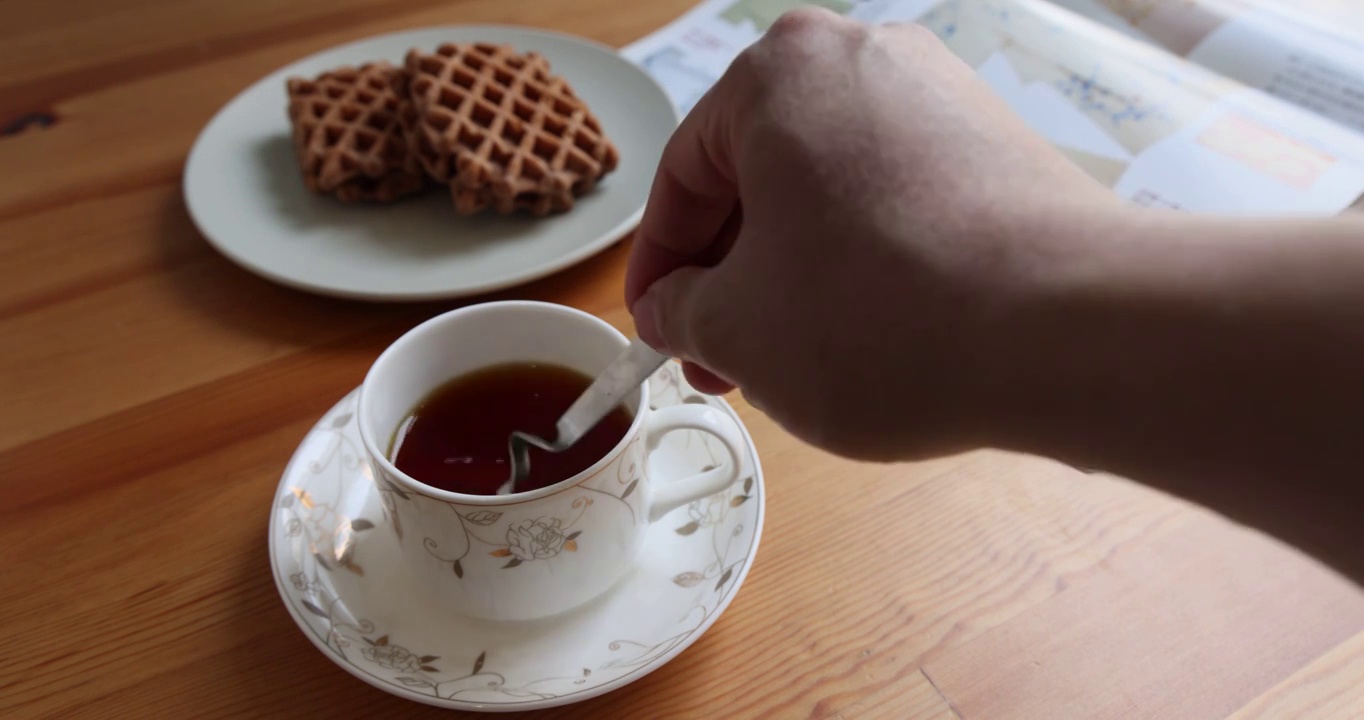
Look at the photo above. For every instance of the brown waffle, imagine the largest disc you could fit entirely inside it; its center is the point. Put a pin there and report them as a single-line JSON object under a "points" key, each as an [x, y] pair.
{"points": [[503, 131], [348, 136]]}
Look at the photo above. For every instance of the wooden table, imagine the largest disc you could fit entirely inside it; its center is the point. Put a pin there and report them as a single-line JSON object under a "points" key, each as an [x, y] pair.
{"points": [[152, 393]]}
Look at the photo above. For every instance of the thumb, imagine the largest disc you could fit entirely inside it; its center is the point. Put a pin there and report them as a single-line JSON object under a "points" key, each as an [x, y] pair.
{"points": [[667, 315], [671, 318]]}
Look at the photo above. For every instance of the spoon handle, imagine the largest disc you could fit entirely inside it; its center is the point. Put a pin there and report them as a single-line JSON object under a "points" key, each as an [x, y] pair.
{"points": [[628, 371]]}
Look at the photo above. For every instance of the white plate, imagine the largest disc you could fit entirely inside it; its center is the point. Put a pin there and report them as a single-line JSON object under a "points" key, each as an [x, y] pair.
{"points": [[244, 191], [371, 618]]}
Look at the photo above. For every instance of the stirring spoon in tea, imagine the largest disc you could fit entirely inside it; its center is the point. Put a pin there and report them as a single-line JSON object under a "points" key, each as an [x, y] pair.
{"points": [[628, 371]]}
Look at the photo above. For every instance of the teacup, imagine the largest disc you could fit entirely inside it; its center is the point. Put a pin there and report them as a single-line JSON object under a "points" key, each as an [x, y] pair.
{"points": [[532, 554]]}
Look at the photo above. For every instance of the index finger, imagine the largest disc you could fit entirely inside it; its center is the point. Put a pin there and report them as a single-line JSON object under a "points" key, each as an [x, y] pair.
{"points": [[694, 192]]}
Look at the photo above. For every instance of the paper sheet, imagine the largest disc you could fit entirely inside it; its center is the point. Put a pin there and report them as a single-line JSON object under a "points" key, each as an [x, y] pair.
{"points": [[1157, 129], [1308, 52]]}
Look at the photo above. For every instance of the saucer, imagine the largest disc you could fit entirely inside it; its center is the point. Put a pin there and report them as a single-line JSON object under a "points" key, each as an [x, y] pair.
{"points": [[244, 190], [334, 550]]}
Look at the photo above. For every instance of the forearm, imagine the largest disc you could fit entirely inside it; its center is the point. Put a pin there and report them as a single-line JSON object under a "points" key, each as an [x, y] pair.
{"points": [[1220, 360]]}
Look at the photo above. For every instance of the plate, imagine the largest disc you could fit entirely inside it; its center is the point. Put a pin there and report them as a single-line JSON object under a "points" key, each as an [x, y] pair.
{"points": [[336, 557], [244, 191]]}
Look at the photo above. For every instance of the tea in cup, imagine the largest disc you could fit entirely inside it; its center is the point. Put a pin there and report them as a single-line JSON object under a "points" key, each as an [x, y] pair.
{"points": [[435, 412]]}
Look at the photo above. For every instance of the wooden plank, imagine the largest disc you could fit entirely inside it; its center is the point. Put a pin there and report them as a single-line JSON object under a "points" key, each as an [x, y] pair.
{"points": [[89, 246], [850, 606], [915, 700], [1191, 625], [38, 42], [39, 64], [194, 323], [1332, 686], [176, 579], [153, 393], [168, 427], [104, 141], [78, 361]]}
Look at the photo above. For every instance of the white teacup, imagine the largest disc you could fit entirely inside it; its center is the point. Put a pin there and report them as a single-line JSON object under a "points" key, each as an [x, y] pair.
{"points": [[531, 554]]}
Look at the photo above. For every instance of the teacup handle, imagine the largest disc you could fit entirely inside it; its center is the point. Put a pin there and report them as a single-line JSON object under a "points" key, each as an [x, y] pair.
{"points": [[668, 496]]}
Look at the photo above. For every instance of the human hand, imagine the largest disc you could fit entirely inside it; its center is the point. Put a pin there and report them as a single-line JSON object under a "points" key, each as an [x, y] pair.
{"points": [[842, 228]]}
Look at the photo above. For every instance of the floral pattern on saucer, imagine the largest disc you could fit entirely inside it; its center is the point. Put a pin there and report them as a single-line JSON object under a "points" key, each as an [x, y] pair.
{"points": [[339, 573]]}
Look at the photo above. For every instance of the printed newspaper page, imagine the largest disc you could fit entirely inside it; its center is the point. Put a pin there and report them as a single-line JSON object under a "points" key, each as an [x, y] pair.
{"points": [[1157, 129], [1308, 52]]}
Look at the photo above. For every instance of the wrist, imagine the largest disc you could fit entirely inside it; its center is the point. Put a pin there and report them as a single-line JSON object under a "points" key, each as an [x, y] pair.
{"points": [[1067, 334], [1161, 339]]}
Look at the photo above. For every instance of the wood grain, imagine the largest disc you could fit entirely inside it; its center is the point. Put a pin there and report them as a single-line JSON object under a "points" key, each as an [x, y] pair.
{"points": [[1330, 686], [106, 142], [153, 392], [1267, 607]]}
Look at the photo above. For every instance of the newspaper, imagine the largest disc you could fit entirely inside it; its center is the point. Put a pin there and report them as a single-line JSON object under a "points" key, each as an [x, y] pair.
{"points": [[1160, 129], [1308, 52]]}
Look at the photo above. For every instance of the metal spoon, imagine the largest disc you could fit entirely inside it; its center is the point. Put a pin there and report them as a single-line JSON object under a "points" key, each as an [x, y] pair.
{"points": [[628, 371]]}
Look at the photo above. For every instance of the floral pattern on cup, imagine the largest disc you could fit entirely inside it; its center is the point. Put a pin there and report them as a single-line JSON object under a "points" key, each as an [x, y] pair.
{"points": [[526, 540], [536, 539]]}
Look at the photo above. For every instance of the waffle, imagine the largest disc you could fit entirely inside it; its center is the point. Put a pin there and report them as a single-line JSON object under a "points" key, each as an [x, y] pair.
{"points": [[348, 135], [501, 130]]}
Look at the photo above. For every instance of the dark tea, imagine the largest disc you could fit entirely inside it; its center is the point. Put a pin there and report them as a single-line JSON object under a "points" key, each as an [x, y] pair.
{"points": [[456, 438]]}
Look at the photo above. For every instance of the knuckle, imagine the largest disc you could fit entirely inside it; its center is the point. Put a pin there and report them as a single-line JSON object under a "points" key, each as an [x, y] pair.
{"points": [[802, 22], [746, 66], [801, 38]]}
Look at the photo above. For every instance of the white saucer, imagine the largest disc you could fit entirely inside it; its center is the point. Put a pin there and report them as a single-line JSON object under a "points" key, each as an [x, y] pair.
{"points": [[335, 559], [245, 193]]}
